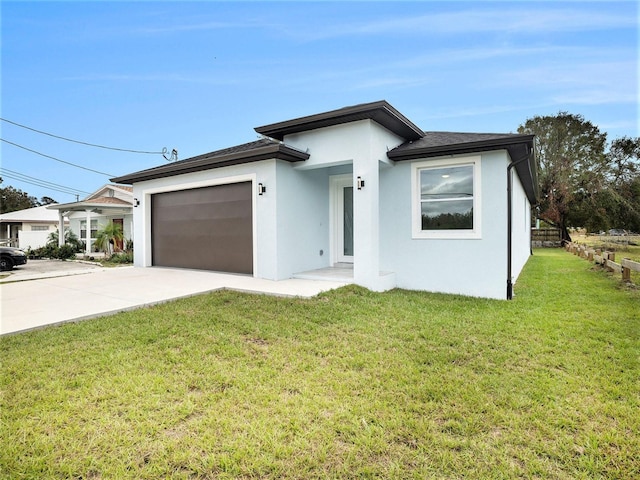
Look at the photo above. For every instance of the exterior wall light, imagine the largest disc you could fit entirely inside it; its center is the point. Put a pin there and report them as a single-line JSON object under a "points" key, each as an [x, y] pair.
{"points": [[360, 183], [136, 202], [261, 189]]}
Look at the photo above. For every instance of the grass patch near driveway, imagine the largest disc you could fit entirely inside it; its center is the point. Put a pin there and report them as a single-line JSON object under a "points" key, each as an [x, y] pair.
{"points": [[350, 384]]}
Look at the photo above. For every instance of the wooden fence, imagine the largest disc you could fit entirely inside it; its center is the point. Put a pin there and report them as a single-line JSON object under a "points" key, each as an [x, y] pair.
{"points": [[606, 259]]}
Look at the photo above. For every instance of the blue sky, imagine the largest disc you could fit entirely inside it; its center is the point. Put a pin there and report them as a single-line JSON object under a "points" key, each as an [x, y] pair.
{"points": [[198, 76]]}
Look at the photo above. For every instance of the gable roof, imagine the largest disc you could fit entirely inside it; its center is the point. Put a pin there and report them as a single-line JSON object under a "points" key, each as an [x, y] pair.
{"points": [[434, 144], [110, 203], [262, 149], [381, 112], [100, 193], [103, 198]]}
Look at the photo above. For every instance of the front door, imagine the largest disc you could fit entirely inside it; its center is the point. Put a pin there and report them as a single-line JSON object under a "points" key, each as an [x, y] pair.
{"points": [[343, 218]]}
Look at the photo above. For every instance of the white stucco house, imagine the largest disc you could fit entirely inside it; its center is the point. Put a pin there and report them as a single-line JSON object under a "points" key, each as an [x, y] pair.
{"points": [[28, 228], [360, 190], [110, 203]]}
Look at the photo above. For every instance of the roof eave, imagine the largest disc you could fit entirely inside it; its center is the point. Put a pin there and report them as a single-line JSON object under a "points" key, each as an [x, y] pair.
{"points": [[85, 205], [381, 112], [400, 154], [276, 151], [527, 171]]}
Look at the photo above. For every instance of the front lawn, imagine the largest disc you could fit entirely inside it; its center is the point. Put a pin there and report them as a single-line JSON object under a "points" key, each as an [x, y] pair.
{"points": [[348, 384]]}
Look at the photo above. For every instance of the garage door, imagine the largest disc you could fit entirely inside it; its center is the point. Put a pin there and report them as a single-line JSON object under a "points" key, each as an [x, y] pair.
{"points": [[207, 228]]}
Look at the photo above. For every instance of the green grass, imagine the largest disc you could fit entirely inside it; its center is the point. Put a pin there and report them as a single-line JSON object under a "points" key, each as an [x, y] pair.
{"points": [[351, 384], [623, 247]]}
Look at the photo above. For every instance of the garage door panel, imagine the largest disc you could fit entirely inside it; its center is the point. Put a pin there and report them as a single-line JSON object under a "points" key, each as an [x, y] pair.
{"points": [[223, 226], [207, 228], [214, 211]]}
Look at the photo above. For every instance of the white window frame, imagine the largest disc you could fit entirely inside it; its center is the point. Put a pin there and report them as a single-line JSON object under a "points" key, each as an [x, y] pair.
{"points": [[416, 210], [91, 230]]}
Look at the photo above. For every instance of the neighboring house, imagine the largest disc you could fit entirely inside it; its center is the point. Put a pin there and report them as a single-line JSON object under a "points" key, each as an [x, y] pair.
{"points": [[111, 203], [28, 228], [360, 190]]}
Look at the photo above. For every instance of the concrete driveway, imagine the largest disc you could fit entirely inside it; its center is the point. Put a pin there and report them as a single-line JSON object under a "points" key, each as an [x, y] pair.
{"points": [[103, 291], [35, 269]]}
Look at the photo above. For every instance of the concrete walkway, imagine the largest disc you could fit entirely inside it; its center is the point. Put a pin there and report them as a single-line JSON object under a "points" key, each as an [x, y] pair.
{"points": [[26, 305]]}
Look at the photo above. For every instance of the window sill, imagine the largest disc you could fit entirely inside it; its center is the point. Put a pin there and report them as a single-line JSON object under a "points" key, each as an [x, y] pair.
{"points": [[446, 235]]}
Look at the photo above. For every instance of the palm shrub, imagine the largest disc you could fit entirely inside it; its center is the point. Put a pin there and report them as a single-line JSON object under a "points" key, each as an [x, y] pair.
{"points": [[70, 238], [107, 237]]}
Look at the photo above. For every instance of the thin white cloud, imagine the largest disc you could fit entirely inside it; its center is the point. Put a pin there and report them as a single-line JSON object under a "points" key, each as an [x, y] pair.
{"points": [[456, 112], [620, 125], [559, 102], [527, 53], [188, 27], [595, 97], [616, 75], [152, 77], [503, 20], [393, 82]]}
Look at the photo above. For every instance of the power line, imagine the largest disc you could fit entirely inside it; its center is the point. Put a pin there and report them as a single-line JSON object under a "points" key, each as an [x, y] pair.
{"points": [[4, 170], [39, 182], [38, 185], [56, 159], [164, 150]]}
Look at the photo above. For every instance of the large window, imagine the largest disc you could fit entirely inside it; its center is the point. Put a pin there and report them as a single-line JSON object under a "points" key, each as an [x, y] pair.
{"points": [[446, 198], [83, 229]]}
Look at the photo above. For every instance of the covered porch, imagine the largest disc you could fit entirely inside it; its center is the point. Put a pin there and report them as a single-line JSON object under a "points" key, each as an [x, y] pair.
{"points": [[352, 188], [84, 215]]}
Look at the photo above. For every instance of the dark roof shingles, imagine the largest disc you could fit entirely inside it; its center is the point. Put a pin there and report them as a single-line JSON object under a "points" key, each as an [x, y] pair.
{"points": [[244, 153], [381, 112]]}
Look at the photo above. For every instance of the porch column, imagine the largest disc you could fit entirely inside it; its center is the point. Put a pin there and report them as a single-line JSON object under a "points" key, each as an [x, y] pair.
{"points": [[366, 226], [60, 228], [9, 233], [88, 230]]}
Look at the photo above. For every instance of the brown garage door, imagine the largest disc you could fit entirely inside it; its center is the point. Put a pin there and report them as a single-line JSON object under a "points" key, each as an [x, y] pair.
{"points": [[207, 228]]}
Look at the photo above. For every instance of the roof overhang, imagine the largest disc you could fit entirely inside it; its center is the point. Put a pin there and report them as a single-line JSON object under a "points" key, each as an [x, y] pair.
{"points": [[84, 206], [517, 146], [273, 150], [381, 112]]}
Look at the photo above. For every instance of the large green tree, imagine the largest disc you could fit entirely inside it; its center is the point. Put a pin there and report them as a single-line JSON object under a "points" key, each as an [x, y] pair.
{"points": [[12, 199], [573, 167], [582, 183], [624, 183]]}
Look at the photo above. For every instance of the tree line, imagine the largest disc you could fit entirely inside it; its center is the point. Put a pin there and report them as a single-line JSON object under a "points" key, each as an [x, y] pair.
{"points": [[583, 180], [13, 199]]}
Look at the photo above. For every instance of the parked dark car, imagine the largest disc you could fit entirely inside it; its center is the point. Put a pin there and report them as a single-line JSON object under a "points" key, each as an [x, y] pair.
{"points": [[10, 257]]}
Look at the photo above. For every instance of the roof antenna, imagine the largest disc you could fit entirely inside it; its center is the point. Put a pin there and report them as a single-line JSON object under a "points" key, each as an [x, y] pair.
{"points": [[173, 157]]}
